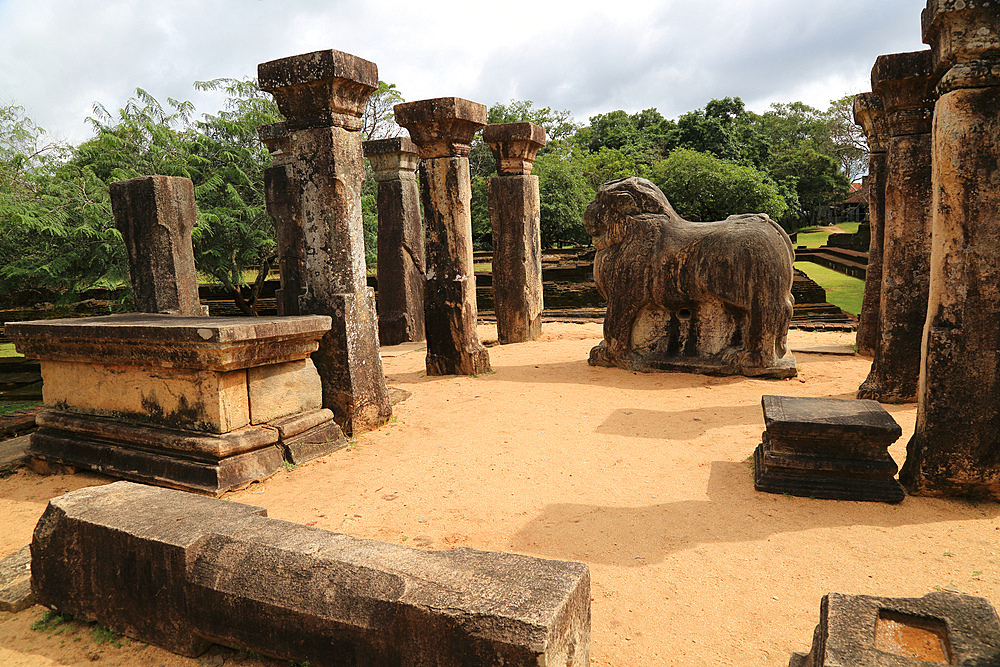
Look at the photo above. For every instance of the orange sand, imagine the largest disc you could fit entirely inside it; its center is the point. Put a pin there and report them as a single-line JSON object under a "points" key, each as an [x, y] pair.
{"points": [[644, 477]]}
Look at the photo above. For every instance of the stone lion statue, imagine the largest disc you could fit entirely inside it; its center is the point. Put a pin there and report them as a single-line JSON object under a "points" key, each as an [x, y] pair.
{"points": [[710, 297]]}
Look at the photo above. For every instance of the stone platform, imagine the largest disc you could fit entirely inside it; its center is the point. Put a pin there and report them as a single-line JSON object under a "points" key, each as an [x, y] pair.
{"points": [[827, 448], [196, 403]]}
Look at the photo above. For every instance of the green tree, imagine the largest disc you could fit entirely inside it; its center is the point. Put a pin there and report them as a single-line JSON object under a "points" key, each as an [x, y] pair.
{"points": [[700, 186], [558, 126], [818, 178], [640, 136], [723, 128], [564, 194], [851, 145]]}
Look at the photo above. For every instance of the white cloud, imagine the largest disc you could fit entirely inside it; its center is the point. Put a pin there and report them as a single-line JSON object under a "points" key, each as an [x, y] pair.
{"points": [[61, 56]]}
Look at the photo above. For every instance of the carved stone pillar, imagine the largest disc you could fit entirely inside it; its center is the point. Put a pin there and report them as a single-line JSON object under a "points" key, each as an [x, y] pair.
{"points": [[442, 129], [400, 240], [515, 216], [869, 113], [314, 194], [905, 83], [955, 449], [155, 215]]}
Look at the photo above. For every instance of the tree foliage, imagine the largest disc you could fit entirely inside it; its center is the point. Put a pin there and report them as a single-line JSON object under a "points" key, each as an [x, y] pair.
{"points": [[700, 186]]}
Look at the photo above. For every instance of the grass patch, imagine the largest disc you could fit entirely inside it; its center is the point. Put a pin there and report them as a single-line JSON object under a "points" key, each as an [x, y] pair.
{"points": [[850, 227], [842, 291], [813, 237], [13, 406], [7, 350]]}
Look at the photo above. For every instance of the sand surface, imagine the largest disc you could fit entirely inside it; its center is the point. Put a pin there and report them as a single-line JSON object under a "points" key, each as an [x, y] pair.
{"points": [[645, 478]]}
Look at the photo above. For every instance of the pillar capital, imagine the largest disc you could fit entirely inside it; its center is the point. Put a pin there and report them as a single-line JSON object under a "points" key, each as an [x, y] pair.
{"points": [[276, 138], [965, 38], [514, 145], [869, 115], [441, 127], [392, 159], [905, 82], [320, 89]]}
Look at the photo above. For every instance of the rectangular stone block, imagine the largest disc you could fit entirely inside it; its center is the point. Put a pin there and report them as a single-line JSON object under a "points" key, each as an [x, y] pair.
{"points": [[198, 400], [15, 580], [283, 389], [940, 628], [180, 571]]}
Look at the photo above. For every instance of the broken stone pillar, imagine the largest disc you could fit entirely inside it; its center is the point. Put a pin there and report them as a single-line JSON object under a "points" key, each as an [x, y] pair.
{"points": [[400, 240], [940, 628], [869, 113], [515, 216], [183, 571], [905, 84], [155, 215], [955, 449], [442, 129], [314, 191]]}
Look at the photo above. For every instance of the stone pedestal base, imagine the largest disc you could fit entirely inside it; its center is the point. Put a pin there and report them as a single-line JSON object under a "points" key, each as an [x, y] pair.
{"points": [[827, 448], [201, 404], [184, 459], [715, 365]]}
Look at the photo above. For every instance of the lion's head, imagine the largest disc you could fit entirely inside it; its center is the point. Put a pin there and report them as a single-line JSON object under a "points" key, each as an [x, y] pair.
{"points": [[616, 201]]}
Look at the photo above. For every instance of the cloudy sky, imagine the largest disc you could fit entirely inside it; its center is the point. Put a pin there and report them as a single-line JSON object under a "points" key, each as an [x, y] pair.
{"points": [[60, 56]]}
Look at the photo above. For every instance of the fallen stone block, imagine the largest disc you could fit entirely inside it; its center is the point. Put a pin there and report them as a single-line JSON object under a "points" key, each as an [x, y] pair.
{"points": [[182, 571], [827, 448], [939, 628], [15, 580]]}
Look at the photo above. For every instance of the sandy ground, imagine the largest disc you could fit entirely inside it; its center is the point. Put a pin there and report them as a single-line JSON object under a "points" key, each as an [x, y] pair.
{"points": [[645, 478]]}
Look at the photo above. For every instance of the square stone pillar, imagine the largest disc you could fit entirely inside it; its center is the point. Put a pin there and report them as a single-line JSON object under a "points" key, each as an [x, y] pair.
{"points": [[905, 83], [442, 130], [314, 193], [400, 240], [515, 216], [155, 215], [955, 449], [869, 114]]}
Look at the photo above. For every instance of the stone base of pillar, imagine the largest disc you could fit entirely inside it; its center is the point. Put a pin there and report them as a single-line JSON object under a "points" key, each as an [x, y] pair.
{"points": [[179, 458], [465, 362], [350, 366]]}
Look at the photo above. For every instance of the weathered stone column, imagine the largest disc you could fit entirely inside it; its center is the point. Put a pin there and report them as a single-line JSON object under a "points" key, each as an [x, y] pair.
{"points": [[442, 129], [869, 113], [515, 216], [955, 449], [905, 83], [400, 240], [155, 215], [314, 192]]}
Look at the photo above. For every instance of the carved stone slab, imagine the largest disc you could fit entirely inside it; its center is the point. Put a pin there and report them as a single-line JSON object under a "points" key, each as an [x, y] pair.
{"points": [[827, 448], [182, 571]]}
